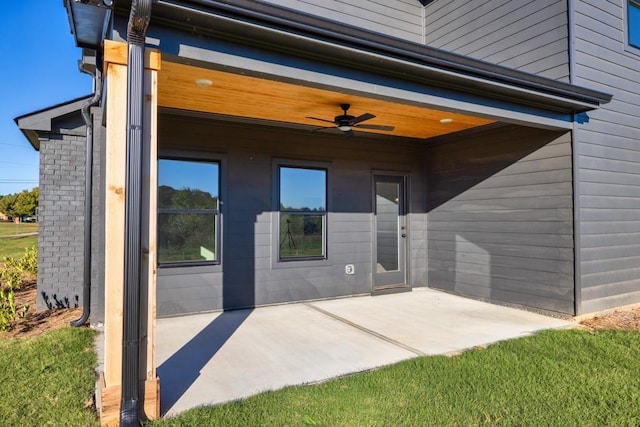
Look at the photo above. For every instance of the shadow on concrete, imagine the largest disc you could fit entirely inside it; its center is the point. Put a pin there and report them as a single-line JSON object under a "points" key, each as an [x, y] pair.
{"points": [[181, 370]]}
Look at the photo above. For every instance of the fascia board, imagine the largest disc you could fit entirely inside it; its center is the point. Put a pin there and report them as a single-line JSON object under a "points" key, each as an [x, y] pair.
{"points": [[335, 42], [38, 123]]}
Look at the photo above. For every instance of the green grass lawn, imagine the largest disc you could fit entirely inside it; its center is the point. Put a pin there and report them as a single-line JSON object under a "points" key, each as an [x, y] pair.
{"points": [[14, 246], [46, 380], [555, 378], [10, 228]]}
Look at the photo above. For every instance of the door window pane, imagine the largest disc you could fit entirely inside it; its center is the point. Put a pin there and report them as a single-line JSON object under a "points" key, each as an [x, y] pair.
{"points": [[387, 215], [188, 215]]}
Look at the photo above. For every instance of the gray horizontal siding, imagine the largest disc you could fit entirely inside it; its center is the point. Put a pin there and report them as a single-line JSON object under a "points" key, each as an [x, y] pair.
{"points": [[250, 274], [500, 223], [607, 160], [396, 18], [529, 36]]}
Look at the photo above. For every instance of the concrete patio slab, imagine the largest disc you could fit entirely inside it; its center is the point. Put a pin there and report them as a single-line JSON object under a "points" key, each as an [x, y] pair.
{"points": [[213, 358]]}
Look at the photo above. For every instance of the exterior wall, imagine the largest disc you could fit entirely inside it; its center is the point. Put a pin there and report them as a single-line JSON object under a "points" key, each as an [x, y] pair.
{"points": [[500, 220], [61, 214], [607, 159], [396, 18], [529, 36], [249, 274]]}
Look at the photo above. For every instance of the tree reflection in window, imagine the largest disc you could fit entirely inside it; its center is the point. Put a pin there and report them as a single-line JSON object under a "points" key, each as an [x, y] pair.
{"points": [[303, 201], [188, 211]]}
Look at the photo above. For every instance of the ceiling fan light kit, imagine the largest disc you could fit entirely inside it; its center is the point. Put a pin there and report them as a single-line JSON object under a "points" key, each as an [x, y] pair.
{"points": [[346, 122]]}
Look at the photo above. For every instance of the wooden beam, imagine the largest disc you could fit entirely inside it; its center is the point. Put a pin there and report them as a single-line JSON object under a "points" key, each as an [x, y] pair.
{"points": [[115, 175], [111, 397], [115, 170], [150, 179], [117, 53]]}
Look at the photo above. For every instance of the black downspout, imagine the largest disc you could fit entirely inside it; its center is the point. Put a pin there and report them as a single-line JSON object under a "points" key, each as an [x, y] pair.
{"points": [[139, 18], [88, 190]]}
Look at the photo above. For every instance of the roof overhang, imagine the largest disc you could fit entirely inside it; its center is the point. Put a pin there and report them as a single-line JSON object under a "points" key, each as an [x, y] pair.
{"points": [[277, 66], [284, 30], [40, 123]]}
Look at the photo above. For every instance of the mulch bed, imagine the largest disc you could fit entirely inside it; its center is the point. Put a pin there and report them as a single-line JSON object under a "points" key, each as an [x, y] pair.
{"points": [[35, 321], [628, 319]]}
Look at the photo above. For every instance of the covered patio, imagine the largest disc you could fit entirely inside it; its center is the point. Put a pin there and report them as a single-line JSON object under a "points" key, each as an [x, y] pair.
{"points": [[212, 358], [244, 91]]}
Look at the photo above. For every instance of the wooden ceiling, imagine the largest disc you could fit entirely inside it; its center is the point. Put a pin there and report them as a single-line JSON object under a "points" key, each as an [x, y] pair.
{"points": [[256, 98]]}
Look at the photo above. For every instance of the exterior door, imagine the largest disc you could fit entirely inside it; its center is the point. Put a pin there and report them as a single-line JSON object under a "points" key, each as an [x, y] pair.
{"points": [[390, 231]]}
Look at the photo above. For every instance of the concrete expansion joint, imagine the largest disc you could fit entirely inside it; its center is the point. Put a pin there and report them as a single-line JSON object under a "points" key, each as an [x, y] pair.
{"points": [[366, 330]]}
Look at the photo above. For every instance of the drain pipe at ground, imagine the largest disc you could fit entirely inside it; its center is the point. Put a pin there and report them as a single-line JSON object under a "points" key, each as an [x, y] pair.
{"points": [[139, 18], [88, 188]]}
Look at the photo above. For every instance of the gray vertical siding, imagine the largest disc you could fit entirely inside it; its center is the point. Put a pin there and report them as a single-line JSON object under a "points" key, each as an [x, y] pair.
{"points": [[396, 18], [607, 159], [500, 218], [250, 274], [530, 36]]}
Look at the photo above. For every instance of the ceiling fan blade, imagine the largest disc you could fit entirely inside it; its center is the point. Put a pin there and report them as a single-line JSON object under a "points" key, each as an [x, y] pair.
{"points": [[322, 120], [376, 127], [323, 128], [362, 118]]}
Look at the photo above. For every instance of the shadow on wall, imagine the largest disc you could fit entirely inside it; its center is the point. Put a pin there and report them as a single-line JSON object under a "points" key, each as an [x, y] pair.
{"points": [[500, 216], [52, 301], [461, 161]]}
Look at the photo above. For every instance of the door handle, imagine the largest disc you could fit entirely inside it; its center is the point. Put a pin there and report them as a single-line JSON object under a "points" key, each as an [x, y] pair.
{"points": [[404, 235]]}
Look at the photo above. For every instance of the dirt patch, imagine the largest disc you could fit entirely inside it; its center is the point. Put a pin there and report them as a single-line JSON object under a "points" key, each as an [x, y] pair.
{"points": [[36, 322], [619, 319]]}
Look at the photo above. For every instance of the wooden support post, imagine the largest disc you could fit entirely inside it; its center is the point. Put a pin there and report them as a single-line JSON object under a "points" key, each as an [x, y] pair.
{"points": [[110, 380]]}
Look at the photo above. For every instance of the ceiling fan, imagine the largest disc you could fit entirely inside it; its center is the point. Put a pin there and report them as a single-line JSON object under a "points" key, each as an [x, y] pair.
{"points": [[346, 123]]}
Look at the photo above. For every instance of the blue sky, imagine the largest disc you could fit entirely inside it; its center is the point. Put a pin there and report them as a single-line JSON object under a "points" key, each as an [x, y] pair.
{"points": [[39, 69], [634, 25], [188, 174]]}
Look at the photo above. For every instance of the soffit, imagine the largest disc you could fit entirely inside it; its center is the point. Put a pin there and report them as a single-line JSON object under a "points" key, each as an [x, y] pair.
{"points": [[284, 103]]}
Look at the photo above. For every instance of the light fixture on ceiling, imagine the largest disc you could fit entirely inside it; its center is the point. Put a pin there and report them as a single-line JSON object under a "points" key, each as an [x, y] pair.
{"points": [[445, 121], [204, 82], [344, 128]]}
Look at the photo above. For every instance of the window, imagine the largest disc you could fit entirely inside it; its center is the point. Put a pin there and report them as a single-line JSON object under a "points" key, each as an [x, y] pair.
{"points": [[633, 22], [303, 213], [188, 212]]}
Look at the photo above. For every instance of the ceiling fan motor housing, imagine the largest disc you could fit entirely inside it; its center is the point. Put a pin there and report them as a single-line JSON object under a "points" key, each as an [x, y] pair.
{"points": [[343, 120]]}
